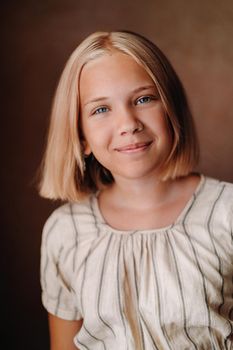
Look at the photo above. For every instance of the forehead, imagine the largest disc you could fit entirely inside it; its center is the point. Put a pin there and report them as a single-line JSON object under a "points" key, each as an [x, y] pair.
{"points": [[113, 69]]}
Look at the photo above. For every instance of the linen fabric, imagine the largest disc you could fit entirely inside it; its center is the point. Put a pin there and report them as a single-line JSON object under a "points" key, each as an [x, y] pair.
{"points": [[168, 288]]}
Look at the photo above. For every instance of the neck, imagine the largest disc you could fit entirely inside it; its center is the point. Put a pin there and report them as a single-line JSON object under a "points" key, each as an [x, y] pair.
{"points": [[134, 193]]}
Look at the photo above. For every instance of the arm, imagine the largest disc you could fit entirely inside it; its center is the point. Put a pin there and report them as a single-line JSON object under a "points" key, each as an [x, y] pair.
{"points": [[62, 333]]}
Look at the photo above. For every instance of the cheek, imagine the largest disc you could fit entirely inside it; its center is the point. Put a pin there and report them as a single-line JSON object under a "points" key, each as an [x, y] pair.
{"points": [[96, 138], [167, 135], [165, 132]]}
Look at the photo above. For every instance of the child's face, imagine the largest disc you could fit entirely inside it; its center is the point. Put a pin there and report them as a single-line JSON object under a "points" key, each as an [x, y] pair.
{"points": [[123, 120]]}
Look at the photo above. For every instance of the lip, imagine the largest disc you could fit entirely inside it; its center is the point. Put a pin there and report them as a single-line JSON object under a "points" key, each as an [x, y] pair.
{"points": [[134, 147]]}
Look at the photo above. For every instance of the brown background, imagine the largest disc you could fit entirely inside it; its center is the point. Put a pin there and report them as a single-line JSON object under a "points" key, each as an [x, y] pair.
{"points": [[37, 38]]}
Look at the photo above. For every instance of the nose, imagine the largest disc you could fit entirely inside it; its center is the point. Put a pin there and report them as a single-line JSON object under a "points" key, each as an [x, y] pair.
{"points": [[129, 123]]}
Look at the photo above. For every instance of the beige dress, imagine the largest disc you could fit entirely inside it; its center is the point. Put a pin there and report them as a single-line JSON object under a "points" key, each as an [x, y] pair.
{"points": [[165, 289]]}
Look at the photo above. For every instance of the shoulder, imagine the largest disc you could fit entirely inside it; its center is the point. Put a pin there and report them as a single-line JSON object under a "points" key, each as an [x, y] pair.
{"points": [[214, 187], [216, 197], [68, 223]]}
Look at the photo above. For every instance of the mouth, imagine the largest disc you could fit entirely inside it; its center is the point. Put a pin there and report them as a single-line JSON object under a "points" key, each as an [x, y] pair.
{"points": [[134, 147]]}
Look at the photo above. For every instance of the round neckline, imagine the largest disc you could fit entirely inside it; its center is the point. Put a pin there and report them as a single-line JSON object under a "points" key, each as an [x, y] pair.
{"points": [[102, 221]]}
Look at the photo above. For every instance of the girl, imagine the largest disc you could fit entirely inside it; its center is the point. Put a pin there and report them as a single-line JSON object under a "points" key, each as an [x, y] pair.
{"points": [[140, 256]]}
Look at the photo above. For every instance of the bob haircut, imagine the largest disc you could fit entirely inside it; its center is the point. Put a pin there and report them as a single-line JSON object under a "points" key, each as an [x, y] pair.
{"points": [[64, 175]]}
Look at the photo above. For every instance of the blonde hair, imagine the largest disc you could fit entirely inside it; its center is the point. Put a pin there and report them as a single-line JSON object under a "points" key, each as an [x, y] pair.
{"points": [[62, 169]]}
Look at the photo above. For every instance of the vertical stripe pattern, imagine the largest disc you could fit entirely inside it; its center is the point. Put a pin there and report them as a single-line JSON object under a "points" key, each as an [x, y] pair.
{"points": [[162, 289]]}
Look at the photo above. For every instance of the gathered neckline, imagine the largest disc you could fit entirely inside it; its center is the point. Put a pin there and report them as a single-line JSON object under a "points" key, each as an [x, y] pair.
{"points": [[109, 228]]}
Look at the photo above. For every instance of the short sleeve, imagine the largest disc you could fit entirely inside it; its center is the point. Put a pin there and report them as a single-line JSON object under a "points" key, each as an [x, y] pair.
{"points": [[58, 296]]}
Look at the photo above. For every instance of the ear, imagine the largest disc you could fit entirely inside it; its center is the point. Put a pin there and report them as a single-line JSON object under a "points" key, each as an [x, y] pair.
{"points": [[86, 148]]}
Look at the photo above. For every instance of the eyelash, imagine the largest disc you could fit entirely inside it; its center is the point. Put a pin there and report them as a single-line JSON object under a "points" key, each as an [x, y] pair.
{"points": [[148, 99], [97, 110], [104, 109]]}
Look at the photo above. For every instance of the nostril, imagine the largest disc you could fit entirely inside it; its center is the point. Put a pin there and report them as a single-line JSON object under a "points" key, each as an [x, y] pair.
{"points": [[133, 129], [139, 128]]}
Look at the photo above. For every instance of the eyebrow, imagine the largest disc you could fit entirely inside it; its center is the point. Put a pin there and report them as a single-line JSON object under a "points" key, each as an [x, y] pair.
{"points": [[102, 98]]}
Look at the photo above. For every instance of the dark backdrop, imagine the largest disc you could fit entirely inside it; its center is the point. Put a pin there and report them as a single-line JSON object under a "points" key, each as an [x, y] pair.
{"points": [[37, 38]]}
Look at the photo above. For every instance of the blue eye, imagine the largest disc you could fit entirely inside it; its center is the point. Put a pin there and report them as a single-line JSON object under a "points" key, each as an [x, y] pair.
{"points": [[101, 110], [144, 99]]}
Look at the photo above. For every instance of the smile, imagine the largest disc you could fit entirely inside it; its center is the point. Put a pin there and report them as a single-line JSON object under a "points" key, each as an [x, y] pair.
{"points": [[134, 147]]}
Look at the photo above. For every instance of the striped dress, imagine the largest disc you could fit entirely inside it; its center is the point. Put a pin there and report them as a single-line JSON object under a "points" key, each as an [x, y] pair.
{"points": [[163, 289]]}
